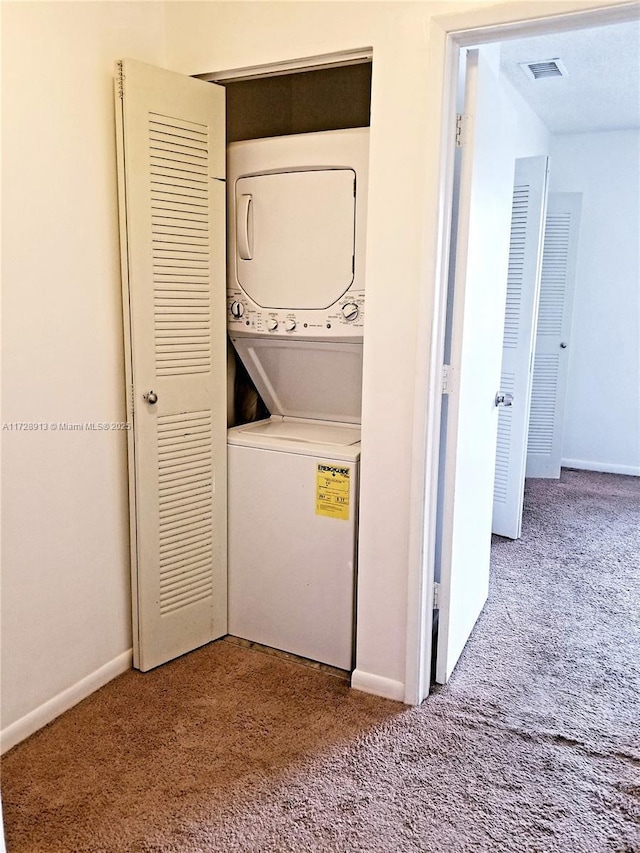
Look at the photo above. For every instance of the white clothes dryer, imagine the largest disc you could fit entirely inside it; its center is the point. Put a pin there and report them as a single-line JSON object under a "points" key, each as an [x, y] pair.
{"points": [[296, 235]]}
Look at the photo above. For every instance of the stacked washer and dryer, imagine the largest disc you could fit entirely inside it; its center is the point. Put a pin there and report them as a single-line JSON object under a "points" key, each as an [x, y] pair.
{"points": [[296, 289]]}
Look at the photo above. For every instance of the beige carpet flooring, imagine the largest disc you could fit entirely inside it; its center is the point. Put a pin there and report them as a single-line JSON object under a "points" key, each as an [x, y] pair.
{"points": [[532, 747]]}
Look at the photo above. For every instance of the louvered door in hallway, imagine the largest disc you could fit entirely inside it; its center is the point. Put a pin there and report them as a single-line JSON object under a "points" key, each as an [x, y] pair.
{"points": [[523, 289], [553, 336]]}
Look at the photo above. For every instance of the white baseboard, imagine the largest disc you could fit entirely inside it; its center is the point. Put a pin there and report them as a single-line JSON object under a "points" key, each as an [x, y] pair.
{"points": [[51, 709], [377, 685], [602, 467]]}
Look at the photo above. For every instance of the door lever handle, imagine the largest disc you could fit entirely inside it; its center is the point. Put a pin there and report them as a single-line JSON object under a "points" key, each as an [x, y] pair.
{"points": [[504, 399]]}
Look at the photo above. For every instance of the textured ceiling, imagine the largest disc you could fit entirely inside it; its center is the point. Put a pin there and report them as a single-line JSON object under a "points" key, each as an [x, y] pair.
{"points": [[602, 89]]}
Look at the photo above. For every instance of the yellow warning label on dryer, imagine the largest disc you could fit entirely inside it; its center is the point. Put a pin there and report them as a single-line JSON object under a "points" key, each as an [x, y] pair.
{"points": [[332, 491]]}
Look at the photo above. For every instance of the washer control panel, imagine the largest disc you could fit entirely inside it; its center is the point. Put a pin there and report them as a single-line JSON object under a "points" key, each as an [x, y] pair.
{"points": [[344, 319]]}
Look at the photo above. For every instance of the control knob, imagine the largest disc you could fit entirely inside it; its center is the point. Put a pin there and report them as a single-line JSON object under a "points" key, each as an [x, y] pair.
{"points": [[237, 309], [350, 311], [289, 325], [272, 324]]}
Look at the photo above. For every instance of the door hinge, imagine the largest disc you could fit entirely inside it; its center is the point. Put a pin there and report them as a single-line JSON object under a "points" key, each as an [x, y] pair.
{"points": [[133, 398], [447, 379], [120, 73], [436, 595], [463, 129]]}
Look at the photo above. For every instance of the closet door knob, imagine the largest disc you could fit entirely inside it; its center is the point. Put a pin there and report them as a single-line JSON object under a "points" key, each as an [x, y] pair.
{"points": [[504, 399], [151, 397]]}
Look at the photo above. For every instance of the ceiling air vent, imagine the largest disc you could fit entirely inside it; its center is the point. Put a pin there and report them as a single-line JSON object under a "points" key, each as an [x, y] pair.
{"points": [[544, 69]]}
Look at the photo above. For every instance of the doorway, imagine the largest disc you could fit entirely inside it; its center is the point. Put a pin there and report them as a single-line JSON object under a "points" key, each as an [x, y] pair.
{"points": [[445, 568], [274, 110]]}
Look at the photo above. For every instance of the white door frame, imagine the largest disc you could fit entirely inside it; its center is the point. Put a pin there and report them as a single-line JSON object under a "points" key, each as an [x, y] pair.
{"points": [[448, 34], [291, 66]]}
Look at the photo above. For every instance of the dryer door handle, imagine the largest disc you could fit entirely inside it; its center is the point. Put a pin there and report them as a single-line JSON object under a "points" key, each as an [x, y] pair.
{"points": [[244, 227]]}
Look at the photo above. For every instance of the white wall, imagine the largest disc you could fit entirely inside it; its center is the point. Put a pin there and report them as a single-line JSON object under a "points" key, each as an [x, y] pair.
{"points": [[602, 418], [533, 138], [66, 621]]}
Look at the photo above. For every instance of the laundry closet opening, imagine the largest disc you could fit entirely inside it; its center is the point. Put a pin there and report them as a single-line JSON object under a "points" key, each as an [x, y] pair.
{"points": [[297, 168], [244, 525]]}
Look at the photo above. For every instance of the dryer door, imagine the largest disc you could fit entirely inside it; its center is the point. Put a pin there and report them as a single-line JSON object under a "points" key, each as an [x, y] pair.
{"points": [[295, 237]]}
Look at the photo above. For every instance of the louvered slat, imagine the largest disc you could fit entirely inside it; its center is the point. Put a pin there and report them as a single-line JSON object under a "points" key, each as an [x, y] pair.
{"points": [[554, 273], [180, 247], [516, 265], [503, 447], [543, 403], [185, 478]]}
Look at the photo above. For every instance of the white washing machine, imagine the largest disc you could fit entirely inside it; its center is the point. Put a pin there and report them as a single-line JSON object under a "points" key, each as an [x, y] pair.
{"points": [[293, 513], [296, 313]]}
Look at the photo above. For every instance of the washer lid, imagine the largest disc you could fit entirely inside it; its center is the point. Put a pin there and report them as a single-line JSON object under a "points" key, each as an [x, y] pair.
{"points": [[323, 440], [308, 432], [305, 379]]}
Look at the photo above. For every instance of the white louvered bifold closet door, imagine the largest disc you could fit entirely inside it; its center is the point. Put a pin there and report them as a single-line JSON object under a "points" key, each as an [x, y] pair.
{"points": [[523, 288], [171, 147], [544, 450]]}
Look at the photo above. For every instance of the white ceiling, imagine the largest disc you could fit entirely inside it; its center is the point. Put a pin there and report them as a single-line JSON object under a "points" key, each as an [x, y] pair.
{"points": [[602, 89]]}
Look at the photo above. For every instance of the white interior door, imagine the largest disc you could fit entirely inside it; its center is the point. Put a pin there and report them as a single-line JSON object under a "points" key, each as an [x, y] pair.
{"points": [[523, 290], [553, 336], [480, 284], [171, 160]]}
